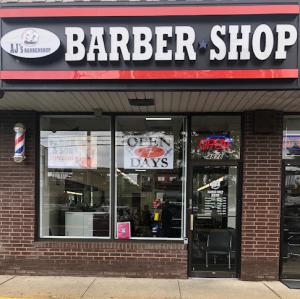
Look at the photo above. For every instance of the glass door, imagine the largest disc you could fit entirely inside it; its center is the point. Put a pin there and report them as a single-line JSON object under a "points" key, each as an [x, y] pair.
{"points": [[213, 224], [291, 224]]}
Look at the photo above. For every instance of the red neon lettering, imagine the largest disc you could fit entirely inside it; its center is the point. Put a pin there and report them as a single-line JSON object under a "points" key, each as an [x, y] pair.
{"points": [[218, 144]]}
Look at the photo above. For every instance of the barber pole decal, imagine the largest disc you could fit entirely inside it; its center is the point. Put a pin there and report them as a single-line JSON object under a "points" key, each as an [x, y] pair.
{"points": [[19, 155]]}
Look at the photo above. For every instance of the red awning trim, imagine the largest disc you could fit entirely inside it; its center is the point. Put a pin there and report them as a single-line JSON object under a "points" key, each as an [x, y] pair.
{"points": [[135, 11], [150, 74]]}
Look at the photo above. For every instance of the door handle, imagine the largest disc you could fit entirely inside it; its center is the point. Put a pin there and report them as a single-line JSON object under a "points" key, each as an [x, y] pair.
{"points": [[192, 222]]}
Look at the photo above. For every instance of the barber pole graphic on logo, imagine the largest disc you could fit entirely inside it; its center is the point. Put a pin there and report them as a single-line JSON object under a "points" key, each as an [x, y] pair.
{"points": [[19, 155], [30, 42]]}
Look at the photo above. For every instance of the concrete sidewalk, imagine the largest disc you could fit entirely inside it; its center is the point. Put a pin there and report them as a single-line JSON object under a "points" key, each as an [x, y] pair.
{"points": [[125, 288]]}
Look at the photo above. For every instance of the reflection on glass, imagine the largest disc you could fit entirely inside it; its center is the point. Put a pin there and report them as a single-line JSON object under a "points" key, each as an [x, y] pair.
{"points": [[215, 137], [214, 212], [150, 159], [291, 238], [75, 167]]}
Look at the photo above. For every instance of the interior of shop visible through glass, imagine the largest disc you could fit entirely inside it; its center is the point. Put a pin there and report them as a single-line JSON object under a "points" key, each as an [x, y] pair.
{"points": [[75, 176], [150, 158], [215, 140]]}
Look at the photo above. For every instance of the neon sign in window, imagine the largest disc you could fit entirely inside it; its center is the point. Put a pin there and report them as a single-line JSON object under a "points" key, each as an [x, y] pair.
{"points": [[214, 146]]}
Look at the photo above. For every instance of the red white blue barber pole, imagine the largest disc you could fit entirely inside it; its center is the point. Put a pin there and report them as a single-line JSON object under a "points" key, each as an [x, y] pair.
{"points": [[19, 155]]}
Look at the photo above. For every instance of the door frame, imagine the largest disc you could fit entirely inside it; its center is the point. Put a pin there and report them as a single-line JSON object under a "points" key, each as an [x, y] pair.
{"points": [[191, 166]]}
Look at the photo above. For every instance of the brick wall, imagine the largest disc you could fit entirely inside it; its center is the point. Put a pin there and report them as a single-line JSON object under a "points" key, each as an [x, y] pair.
{"points": [[261, 203], [17, 186], [20, 253]]}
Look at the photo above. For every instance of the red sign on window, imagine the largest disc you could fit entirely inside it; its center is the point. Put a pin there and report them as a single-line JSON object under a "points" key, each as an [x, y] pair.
{"points": [[219, 143], [123, 229]]}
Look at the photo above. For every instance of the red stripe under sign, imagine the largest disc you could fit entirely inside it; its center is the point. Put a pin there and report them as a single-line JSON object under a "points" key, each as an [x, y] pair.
{"points": [[134, 11], [150, 74]]}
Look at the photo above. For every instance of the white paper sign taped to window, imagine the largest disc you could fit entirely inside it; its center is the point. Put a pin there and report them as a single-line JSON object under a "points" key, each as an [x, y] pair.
{"points": [[149, 151], [72, 150]]}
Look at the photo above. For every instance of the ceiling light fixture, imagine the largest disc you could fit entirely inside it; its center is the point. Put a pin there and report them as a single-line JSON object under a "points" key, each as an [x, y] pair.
{"points": [[158, 118]]}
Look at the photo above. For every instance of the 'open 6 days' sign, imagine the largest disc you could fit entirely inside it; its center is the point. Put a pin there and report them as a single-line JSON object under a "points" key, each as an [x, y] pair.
{"points": [[149, 151]]}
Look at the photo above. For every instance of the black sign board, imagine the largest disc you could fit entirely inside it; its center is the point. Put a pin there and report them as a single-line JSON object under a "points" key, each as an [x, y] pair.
{"points": [[157, 47]]}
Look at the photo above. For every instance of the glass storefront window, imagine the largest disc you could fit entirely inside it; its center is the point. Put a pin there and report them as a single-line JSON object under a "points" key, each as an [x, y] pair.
{"points": [[291, 137], [291, 224], [216, 137], [75, 176], [150, 166], [290, 239]]}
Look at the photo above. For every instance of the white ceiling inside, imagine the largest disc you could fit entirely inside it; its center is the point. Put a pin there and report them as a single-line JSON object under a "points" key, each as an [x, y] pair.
{"points": [[165, 101]]}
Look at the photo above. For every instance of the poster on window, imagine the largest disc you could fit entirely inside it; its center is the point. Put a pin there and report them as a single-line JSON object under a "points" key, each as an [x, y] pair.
{"points": [[215, 200], [72, 150], [291, 146], [124, 231], [149, 151]]}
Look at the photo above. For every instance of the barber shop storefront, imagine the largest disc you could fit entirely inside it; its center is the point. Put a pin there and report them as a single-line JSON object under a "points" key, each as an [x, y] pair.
{"points": [[154, 141]]}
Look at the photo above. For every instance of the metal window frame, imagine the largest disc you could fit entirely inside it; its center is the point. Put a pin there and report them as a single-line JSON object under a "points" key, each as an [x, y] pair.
{"points": [[184, 181], [39, 196]]}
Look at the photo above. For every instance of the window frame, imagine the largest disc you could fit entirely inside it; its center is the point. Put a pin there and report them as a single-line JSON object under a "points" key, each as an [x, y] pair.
{"points": [[40, 180], [113, 200], [184, 177], [187, 164]]}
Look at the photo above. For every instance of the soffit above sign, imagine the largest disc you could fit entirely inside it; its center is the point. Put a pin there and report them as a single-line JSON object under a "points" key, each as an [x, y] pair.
{"points": [[165, 101]]}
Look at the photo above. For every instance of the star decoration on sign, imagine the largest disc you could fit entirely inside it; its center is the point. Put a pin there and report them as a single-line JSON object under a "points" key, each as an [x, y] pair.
{"points": [[202, 45]]}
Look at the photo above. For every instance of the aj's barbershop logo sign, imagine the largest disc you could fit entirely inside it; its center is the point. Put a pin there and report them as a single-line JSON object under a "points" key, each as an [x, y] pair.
{"points": [[149, 151], [30, 42], [161, 43]]}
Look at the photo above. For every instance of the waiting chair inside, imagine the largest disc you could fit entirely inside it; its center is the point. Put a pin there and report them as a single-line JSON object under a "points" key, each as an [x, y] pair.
{"points": [[218, 243]]}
